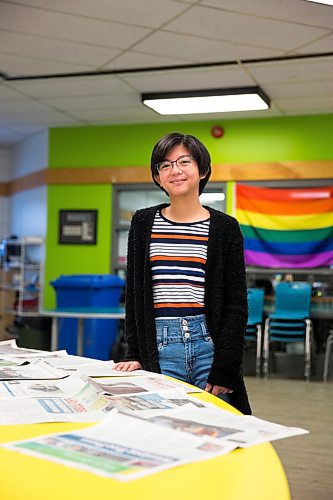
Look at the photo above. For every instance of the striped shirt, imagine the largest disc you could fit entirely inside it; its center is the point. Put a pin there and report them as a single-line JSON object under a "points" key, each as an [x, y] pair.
{"points": [[178, 253]]}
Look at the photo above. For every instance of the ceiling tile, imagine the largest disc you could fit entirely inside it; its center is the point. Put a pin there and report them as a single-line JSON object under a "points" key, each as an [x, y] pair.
{"points": [[7, 93], [76, 86], [14, 65], [312, 104], [22, 105], [94, 102], [325, 44], [196, 49], [26, 129], [292, 71], [55, 50], [68, 27], [151, 13], [238, 28], [47, 118], [287, 10], [102, 114], [132, 59], [300, 89], [190, 79]]}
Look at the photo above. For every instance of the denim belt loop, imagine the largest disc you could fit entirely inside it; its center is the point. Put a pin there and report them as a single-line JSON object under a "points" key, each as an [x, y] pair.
{"points": [[165, 335]]}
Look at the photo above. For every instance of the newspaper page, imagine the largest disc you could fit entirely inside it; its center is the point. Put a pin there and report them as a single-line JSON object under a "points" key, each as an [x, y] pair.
{"points": [[219, 425], [36, 370], [137, 385], [69, 386], [138, 404], [11, 361], [121, 447], [88, 404], [10, 348], [87, 366]]}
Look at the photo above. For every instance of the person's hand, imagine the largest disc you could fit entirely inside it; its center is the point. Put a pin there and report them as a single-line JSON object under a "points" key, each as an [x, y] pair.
{"points": [[128, 366], [217, 389]]}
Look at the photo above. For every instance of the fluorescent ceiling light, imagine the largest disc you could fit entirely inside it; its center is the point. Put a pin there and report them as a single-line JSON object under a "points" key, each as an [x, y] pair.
{"points": [[326, 2], [207, 101]]}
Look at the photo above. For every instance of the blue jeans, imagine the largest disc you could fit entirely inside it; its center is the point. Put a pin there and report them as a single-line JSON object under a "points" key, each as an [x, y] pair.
{"points": [[186, 350]]}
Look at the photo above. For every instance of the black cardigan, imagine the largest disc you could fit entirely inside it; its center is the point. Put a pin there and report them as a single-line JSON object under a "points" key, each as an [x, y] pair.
{"points": [[225, 300]]}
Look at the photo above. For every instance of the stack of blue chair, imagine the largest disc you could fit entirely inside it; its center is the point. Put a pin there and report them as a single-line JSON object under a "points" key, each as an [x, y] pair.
{"points": [[291, 320], [255, 299]]}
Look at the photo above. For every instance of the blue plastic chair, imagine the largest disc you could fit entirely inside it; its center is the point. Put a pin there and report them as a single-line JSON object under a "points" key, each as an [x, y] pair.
{"points": [[291, 320], [255, 299]]}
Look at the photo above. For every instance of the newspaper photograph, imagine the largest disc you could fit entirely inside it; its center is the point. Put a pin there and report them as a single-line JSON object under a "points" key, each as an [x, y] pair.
{"points": [[121, 447], [141, 403], [220, 425], [138, 385]]}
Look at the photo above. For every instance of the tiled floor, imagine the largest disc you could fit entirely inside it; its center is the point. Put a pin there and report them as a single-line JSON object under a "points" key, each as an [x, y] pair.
{"points": [[307, 459]]}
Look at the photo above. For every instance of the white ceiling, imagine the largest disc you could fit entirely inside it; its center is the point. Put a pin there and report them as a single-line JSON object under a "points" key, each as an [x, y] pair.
{"points": [[52, 37]]}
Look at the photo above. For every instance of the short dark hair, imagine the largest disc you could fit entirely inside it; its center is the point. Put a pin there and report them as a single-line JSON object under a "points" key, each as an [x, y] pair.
{"points": [[197, 149]]}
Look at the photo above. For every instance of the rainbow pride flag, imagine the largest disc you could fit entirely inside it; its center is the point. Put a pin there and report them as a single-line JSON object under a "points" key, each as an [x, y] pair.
{"points": [[291, 228]]}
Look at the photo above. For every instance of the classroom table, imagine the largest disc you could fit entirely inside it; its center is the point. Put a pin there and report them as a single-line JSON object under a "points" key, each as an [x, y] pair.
{"points": [[81, 314], [255, 473], [318, 310]]}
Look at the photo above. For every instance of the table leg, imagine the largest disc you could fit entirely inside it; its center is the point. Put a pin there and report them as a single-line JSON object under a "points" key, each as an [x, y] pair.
{"points": [[54, 334], [80, 336]]}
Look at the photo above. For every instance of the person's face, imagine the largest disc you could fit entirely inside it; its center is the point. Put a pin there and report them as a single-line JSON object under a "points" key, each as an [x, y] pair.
{"points": [[183, 178]]}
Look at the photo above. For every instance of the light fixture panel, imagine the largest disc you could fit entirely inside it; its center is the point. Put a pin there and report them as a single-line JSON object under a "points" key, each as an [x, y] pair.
{"points": [[207, 101], [325, 2]]}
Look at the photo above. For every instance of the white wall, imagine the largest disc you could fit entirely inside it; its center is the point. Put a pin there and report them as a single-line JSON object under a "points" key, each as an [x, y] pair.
{"points": [[4, 201], [30, 155], [28, 209]]}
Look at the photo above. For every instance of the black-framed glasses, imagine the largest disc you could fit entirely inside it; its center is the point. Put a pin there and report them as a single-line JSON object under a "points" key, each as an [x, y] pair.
{"points": [[183, 162]]}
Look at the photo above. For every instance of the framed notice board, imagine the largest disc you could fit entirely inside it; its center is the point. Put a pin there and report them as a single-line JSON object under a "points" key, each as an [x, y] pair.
{"points": [[78, 227]]}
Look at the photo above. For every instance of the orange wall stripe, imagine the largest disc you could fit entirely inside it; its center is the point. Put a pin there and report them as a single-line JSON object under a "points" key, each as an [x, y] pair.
{"points": [[321, 169]]}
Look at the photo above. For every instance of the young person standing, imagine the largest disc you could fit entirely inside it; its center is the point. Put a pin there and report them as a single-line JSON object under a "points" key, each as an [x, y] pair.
{"points": [[186, 298]]}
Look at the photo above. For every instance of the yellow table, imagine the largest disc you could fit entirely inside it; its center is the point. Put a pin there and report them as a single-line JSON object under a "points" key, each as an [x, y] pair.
{"points": [[254, 473]]}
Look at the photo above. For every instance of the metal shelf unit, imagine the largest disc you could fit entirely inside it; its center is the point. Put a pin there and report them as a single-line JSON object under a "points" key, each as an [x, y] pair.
{"points": [[22, 277]]}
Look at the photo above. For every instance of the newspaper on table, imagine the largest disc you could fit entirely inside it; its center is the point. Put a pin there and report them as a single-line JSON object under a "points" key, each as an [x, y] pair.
{"points": [[220, 425], [121, 447], [11, 361], [87, 366], [36, 370], [10, 348], [136, 385], [69, 386], [149, 423], [139, 404], [81, 401]]}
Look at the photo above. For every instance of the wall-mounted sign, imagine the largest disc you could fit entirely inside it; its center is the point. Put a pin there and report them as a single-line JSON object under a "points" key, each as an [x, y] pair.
{"points": [[77, 227]]}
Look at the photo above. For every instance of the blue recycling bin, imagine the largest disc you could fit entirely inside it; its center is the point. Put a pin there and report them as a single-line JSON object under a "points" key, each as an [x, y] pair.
{"points": [[88, 291]]}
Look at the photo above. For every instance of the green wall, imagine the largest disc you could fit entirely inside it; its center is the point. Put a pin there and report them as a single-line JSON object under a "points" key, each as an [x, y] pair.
{"points": [[245, 141], [250, 140], [77, 259]]}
